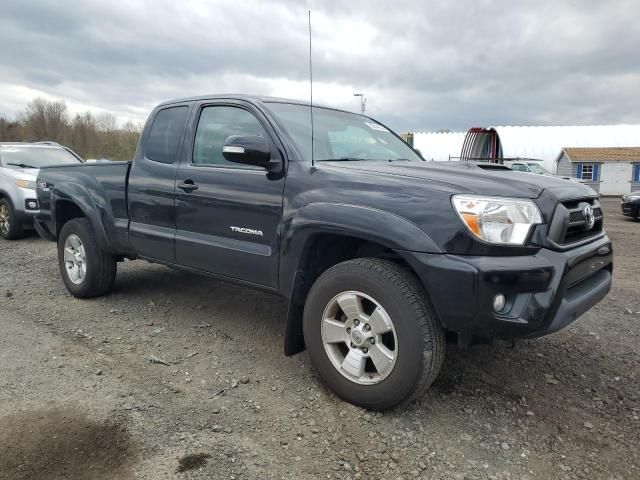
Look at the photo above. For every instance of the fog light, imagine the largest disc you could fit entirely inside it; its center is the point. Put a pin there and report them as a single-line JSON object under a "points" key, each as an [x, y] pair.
{"points": [[499, 302], [31, 204]]}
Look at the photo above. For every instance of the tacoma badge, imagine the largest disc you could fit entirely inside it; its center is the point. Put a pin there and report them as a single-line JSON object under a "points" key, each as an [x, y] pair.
{"points": [[250, 231]]}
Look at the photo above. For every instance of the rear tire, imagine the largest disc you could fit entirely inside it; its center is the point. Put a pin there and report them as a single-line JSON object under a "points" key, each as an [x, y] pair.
{"points": [[87, 270], [383, 297], [10, 228]]}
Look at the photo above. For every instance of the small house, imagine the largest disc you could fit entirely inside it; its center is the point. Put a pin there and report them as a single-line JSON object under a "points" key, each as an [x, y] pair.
{"points": [[609, 171]]}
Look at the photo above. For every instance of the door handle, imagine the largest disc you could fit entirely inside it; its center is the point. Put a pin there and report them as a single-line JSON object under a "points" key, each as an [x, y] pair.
{"points": [[188, 186]]}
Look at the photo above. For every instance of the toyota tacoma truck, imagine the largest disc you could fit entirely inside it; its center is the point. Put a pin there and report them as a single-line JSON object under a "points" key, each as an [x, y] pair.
{"points": [[382, 256]]}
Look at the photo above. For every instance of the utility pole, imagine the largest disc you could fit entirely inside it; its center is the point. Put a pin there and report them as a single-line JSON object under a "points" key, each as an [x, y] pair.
{"points": [[363, 101]]}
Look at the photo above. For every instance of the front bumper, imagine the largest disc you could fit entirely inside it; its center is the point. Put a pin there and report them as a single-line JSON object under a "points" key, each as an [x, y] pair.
{"points": [[545, 292], [25, 217], [22, 200], [630, 209]]}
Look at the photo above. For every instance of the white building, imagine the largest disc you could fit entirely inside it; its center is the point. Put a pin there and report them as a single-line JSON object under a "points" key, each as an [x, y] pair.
{"points": [[543, 143], [439, 146]]}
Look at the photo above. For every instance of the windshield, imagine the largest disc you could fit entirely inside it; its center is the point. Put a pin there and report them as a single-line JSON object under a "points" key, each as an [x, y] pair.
{"points": [[535, 168], [340, 135], [35, 157]]}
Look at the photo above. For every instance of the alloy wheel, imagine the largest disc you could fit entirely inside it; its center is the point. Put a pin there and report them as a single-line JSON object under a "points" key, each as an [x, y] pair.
{"points": [[359, 337], [5, 219], [75, 259]]}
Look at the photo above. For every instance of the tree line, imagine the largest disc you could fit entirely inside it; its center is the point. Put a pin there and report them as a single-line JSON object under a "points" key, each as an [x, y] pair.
{"points": [[88, 134]]}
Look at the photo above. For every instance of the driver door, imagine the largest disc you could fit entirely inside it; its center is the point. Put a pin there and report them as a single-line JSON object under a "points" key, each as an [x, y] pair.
{"points": [[228, 214]]}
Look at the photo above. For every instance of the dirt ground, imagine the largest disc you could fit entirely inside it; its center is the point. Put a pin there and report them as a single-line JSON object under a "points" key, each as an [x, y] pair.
{"points": [[178, 376]]}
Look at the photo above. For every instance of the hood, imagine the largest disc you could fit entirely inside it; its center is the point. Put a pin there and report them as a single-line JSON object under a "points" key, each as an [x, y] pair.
{"points": [[22, 173], [465, 177]]}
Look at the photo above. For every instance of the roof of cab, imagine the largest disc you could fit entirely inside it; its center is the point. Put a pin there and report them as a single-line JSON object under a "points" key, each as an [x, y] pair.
{"points": [[248, 98]]}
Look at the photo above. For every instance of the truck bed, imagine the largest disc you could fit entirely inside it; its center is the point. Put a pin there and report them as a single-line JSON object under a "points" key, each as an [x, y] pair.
{"points": [[102, 188]]}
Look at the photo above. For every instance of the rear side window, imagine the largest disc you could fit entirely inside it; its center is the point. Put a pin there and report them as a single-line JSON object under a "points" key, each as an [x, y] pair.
{"points": [[166, 132]]}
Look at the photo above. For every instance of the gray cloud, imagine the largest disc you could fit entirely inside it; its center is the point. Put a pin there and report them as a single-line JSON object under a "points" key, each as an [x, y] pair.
{"points": [[423, 65]]}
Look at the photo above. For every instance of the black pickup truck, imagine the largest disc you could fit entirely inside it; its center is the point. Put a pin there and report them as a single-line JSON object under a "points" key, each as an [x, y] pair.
{"points": [[381, 255]]}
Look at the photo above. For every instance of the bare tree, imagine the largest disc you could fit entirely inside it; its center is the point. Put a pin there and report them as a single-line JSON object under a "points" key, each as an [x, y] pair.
{"points": [[132, 127], [57, 120], [35, 118], [91, 135], [106, 122], [84, 136], [45, 120], [10, 131]]}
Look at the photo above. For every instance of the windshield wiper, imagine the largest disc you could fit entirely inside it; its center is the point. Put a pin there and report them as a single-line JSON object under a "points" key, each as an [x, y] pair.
{"points": [[358, 159], [343, 159], [21, 165]]}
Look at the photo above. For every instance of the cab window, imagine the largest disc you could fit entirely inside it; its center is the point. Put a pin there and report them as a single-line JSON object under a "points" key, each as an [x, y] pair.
{"points": [[215, 125], [165, 134]]}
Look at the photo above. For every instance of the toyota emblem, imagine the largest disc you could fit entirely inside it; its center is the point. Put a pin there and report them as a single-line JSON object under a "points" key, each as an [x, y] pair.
{"points": [[589, 217]]}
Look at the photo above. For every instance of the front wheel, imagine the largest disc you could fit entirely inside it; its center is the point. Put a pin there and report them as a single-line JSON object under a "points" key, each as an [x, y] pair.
{"points": [[10, 227], [371, 334], [87, 270]]}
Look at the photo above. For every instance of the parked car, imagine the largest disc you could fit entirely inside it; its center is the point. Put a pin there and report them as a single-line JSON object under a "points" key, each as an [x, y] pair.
{"points": [[19, 164], [527, 166], [533, 166], [380, 254], [630, 205], [97, 160]]}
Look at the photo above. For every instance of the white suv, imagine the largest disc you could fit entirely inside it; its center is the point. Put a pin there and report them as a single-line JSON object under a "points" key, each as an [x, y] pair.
{"points": [[19, 165], [528, 167]]}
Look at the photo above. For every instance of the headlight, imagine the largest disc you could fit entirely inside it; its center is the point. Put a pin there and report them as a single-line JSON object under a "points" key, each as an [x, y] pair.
{"points": [[500, 220], [31, 185]]}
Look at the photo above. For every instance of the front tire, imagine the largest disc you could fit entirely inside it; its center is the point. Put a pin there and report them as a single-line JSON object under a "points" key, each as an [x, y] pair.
{"points": [[371, 334], [87, 270], [10, 228]]}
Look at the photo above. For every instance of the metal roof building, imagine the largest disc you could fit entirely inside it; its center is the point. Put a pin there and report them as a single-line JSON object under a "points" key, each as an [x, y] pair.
{"points": [[544, 143], [439, 146]]}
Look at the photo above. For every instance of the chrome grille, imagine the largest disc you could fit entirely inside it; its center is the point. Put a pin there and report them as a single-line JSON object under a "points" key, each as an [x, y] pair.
{"points": [[578, 216], [570, 225]]}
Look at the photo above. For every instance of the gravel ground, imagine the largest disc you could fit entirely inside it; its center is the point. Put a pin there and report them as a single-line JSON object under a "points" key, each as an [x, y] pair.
{"points": [[178, 376]]}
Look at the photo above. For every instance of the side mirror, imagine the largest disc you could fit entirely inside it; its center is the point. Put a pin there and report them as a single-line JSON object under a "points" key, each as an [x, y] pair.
{"points": [[248, 150]]}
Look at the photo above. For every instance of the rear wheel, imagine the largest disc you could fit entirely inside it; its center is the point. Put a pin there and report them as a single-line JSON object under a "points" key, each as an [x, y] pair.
{"points": [[371, 334], [86, 269], [10, 228]]}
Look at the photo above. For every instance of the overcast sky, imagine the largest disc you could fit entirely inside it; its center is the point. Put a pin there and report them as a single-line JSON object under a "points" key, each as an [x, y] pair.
{"points": [[423, 65]]}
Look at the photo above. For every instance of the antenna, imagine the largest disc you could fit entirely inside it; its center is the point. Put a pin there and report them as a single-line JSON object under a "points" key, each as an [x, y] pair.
{"points": [[311, 88], [363, 101]]}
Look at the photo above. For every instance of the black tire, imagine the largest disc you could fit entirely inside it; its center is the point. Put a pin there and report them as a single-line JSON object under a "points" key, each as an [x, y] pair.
{"points": [[420, 337], [14, 230], [101, 267]]}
